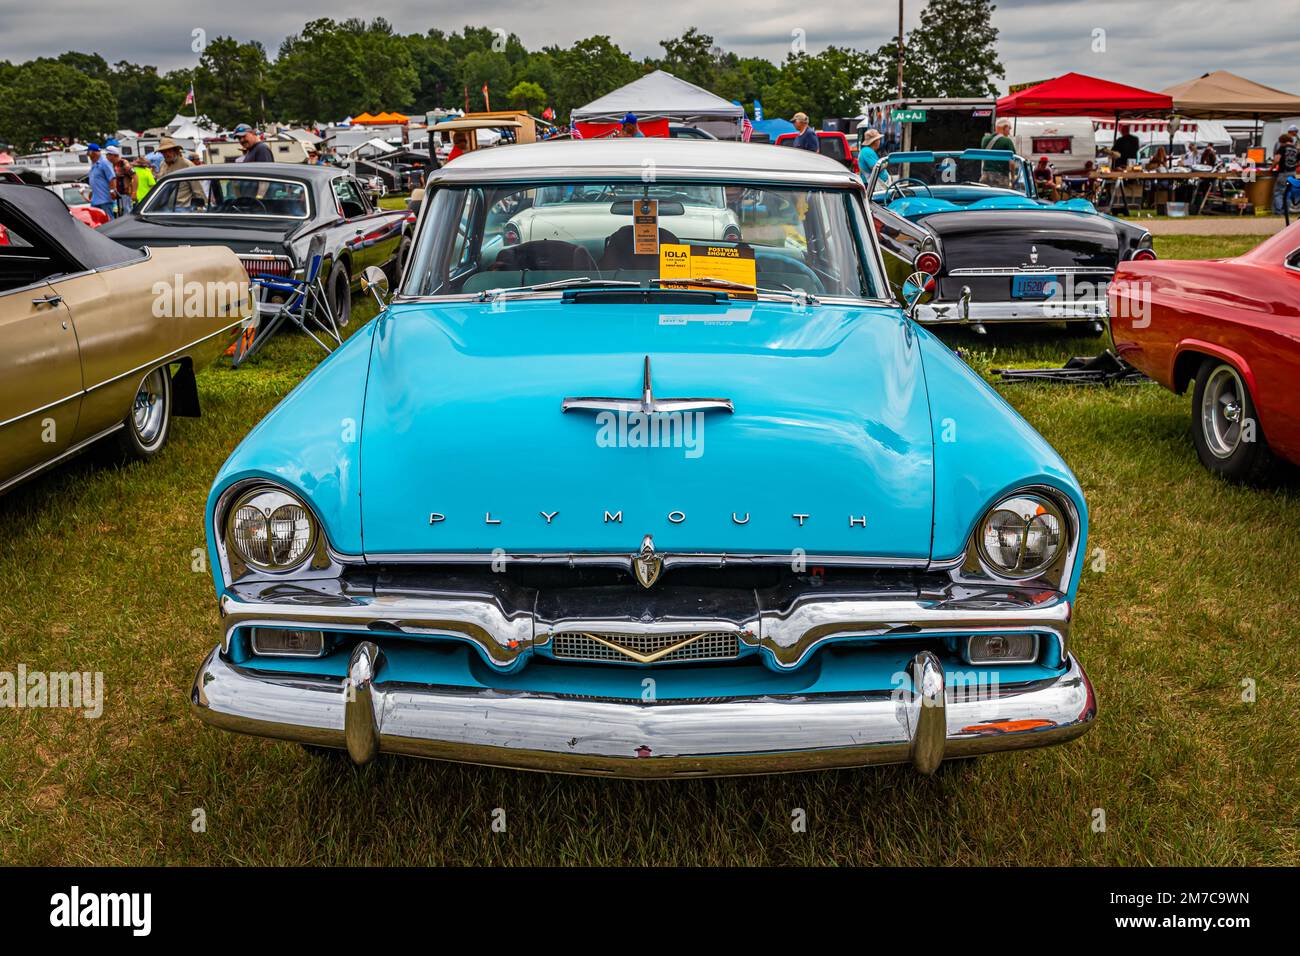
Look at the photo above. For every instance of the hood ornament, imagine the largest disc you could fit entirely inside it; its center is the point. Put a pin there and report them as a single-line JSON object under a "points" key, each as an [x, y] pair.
{"points": [[647, 404], [646, 563]]}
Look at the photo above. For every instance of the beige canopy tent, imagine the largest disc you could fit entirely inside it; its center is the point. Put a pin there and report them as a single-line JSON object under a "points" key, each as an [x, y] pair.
{"points": [[1224, 95]]}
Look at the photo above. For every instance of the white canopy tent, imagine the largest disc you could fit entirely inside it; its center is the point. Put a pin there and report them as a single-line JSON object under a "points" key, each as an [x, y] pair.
{"points": [[661, 95]]}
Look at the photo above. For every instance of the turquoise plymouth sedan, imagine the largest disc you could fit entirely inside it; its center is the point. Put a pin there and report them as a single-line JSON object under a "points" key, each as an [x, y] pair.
{"points": [[645, 496]]}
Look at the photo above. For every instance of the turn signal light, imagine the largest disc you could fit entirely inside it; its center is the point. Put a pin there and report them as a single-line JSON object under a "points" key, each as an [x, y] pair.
{"points": [[1144, 254], [283, 642], [1002, 649]]}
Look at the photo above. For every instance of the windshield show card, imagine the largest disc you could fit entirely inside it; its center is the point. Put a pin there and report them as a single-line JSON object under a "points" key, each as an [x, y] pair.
{"points": [[679, 263]]}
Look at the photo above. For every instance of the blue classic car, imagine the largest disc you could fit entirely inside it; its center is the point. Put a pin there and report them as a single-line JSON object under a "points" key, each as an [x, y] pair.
{"points": [[646, 502], [998, 252]]}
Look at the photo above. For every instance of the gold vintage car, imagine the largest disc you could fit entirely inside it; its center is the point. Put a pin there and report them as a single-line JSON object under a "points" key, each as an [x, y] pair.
{"points": [[98, 339]]}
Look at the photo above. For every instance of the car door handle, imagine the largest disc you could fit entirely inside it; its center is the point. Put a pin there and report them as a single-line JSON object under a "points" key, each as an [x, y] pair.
{"points": [[48, 300]]}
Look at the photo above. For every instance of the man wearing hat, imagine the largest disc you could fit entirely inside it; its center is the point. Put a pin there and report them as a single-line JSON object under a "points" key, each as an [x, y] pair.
{"points": [[255, 151], [868, 139], [630, 127], [189, 192], [101, 180]]}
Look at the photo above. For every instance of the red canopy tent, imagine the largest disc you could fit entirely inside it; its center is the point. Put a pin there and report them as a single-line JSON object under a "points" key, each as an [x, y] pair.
{"points": [[1075, 94]]}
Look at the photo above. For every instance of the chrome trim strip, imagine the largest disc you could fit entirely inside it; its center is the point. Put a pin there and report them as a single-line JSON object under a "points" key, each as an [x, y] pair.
{"points": [[789, 638], [366, 714], [1027, 310], [78, 447], [304, 184], [1035, 270], [473, 297], [37, 411], [619, 559], [506, 636]]}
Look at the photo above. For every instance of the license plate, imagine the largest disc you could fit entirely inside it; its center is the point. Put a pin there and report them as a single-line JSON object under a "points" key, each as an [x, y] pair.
{"points": [[1036, 286]]}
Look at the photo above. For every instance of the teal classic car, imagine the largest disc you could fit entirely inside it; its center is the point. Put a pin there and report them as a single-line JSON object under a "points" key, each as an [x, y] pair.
{"points": [[705, 506]]}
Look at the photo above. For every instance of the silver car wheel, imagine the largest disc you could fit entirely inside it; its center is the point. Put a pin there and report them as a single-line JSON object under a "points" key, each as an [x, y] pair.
{"points": [[149, 414], [1223, 411]]}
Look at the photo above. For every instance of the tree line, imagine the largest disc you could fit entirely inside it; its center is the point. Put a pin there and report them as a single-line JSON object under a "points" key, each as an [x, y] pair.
{"points": [[332, 69]]}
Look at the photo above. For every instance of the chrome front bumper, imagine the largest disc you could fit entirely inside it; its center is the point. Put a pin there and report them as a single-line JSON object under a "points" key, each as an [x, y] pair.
{"points": [[1020, 310], [921, 723]]}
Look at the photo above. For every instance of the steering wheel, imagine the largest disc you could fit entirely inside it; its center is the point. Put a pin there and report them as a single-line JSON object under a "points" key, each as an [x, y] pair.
{"points": [[897, 184], [248, 203]]}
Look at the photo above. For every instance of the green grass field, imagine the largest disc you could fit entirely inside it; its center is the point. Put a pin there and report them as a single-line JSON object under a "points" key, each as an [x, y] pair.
{"points": [[1198, 595]]}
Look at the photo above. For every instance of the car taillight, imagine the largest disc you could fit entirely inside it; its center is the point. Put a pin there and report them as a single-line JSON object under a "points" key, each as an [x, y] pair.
{"points": [[510, 235], [1143, 254], [928, 262]]}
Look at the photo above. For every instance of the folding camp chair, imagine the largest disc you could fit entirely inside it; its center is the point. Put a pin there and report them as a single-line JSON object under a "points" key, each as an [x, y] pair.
{"points": [[303, 302]]}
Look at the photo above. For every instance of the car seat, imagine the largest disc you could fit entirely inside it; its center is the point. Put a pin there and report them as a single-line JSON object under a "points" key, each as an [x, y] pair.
{"points": [[619, 252], [550, 255]]}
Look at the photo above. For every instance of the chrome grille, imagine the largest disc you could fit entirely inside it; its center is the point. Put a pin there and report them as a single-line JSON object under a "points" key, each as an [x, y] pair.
{"points": [[694, 646]]}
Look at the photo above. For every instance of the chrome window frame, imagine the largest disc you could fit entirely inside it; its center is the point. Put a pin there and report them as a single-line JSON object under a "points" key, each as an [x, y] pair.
{"points": [[305, 186], [874, 263]]}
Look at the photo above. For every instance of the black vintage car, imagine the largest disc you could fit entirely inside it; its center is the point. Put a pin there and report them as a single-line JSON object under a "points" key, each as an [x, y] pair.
{"points": [[997, 251], [268, 213]]}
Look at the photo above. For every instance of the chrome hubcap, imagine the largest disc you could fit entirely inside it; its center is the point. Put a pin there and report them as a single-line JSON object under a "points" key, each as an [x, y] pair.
{"points": [[150, 409], [1222, 411]]}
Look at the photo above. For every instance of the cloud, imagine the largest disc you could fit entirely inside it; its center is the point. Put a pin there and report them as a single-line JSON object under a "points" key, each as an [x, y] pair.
{"points": [[1151, 44]]}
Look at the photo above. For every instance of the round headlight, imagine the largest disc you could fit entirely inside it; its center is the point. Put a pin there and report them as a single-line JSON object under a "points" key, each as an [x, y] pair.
{"points": [[1022, 535], [270, 529]]}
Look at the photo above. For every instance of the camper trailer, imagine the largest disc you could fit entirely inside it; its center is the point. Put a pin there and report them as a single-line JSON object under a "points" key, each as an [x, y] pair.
{"points": [[283, 150], [1068, 142]]}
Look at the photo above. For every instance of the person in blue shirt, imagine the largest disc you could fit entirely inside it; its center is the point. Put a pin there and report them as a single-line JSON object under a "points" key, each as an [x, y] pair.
{"points": [[101, 180], [807, 138], [868, 157]]}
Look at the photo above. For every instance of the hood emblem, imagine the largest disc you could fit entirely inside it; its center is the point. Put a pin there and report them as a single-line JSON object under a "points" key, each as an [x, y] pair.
{"points": [[647, 404], [646, 563], [1033, 255]]}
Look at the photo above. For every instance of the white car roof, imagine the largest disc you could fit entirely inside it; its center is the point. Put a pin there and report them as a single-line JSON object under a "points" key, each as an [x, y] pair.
{"points": [[640, 157]]}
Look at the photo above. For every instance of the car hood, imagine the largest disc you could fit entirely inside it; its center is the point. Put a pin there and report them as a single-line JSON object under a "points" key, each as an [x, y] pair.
{"points": [[465, 447]]}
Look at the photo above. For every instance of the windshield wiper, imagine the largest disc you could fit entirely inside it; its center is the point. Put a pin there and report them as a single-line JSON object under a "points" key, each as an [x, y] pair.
{"points": [[712, 282], [489, 295]]}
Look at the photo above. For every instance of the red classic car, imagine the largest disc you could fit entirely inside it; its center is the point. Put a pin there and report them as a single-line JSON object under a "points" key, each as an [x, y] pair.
{"points": [[1233, 327]]}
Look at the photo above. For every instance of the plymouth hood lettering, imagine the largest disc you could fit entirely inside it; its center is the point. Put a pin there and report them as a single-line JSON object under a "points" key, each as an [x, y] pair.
{"points": [[467, 448]]}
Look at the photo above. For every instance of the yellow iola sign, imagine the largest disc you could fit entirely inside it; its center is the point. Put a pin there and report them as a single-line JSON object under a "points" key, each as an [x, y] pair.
{"points": [[680, 263]]}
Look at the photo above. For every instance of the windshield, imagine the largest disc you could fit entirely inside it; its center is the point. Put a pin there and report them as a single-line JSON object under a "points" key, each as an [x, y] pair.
{"points": [[951, 177], [189, 195], [728, 237]]}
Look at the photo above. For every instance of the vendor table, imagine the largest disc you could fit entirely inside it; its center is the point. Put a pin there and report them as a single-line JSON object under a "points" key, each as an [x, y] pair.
{"points": [[1116, 179]]}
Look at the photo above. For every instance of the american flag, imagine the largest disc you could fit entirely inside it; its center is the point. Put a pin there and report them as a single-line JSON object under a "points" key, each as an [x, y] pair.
{"points": [[746, 130], [189, 97]]}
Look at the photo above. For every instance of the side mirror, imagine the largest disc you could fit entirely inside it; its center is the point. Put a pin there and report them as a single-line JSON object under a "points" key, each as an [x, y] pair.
{"points": [[375, 281], [915, 288]]}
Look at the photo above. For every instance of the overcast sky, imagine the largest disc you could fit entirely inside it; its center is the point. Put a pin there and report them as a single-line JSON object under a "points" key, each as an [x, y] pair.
{"points": [[1148, 43]]}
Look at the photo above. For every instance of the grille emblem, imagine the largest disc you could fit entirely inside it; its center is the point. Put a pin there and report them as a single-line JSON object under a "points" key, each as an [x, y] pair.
{"points": [[646, 564], [646, 648], [1033, 255]]}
